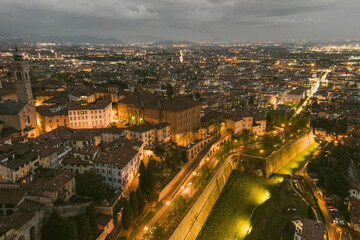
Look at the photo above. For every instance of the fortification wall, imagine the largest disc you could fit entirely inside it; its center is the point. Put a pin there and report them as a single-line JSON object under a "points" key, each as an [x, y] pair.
{"points": [[279, 158], [195, 218], [71, 210]]}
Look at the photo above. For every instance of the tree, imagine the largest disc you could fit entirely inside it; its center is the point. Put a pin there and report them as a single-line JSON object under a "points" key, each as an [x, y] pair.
{"points": [[54, 228], [158, 234], [72, 231], [91, 213], [142, 178], [117, 208], [84, 230], [140, 200], [127, 216], [134, 204], [151, 184], [90, 184], [177, 209]]}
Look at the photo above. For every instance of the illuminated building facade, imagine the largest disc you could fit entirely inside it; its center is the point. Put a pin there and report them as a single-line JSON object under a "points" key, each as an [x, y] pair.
{"points": [[182, 113]]}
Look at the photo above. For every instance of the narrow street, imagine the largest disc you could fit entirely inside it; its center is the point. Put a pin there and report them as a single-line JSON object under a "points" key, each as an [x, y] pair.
{"points": [[175, 190]]}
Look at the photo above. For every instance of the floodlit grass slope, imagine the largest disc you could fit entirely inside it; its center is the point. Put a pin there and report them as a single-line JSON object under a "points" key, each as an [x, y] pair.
{"points": [[230, 216], [271, 220]]}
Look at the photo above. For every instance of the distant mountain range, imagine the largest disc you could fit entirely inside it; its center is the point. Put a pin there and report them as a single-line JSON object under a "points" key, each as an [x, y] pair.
{"points": [[10, 38], [7, 38]]}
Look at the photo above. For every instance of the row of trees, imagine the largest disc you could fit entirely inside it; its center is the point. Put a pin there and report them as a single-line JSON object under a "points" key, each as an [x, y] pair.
{"points": [[147, 190], [332, 171], [83, 227], [133, 208], [90, 184], [336, 126]]}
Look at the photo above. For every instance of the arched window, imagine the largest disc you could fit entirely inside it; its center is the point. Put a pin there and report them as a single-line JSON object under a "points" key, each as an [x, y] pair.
{"points": [[32, 233]]}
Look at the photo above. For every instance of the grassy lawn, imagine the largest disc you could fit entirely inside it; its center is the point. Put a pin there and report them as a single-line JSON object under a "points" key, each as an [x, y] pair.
{"points": [[272, 221], [299, 161], [230, 216]]}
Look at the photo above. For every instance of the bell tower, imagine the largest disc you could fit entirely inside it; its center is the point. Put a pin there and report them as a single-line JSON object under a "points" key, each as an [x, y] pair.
{"points": [[22, 79]]}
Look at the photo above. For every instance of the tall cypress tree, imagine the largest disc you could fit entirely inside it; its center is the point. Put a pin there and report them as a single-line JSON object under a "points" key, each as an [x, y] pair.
{"points": [[91, 213], [142, 178], [134, 204], [84, 229], [151, 184], [140, 199], [54, 227], [127, 216], [72, 231]]}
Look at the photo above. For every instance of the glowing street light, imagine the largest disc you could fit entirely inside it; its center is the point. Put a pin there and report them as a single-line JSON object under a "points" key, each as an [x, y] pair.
{"points": [[146, 228], [261, 151], [168, 203], [283, 125], [194, 173]]}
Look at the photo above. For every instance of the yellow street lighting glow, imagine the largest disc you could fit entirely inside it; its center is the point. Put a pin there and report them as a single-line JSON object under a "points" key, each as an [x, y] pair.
{"points": [[146, 228], [194, 173], [168, 203]]}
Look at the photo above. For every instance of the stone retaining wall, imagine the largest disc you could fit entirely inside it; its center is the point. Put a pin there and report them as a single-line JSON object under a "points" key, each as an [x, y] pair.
{"points": [[195, 218]]}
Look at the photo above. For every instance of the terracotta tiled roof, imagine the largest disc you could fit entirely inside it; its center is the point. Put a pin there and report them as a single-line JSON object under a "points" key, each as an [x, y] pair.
{"points": [[11, 196], [101, 104], [117, 156], [103, 219]]}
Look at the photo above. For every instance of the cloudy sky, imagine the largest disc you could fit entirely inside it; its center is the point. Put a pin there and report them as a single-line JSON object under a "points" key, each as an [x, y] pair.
{"points": [[144, 20]]}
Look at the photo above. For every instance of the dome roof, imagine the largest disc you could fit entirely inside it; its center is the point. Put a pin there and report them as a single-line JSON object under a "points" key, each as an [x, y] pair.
{"points": [[17, 55]]}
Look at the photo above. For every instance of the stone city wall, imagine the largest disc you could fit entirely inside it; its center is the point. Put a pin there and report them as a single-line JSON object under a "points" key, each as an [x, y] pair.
{"points": [[195, 218]]}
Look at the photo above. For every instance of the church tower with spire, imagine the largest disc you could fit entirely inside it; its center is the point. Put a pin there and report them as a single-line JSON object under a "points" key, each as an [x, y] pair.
{"points": [[22, 79]]}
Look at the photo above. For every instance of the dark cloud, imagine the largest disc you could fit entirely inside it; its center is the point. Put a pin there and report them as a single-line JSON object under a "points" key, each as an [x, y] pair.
{"points": [[181, 19]]}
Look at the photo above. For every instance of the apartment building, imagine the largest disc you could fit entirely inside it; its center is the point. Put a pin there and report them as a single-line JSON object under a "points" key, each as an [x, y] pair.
{"points": [[119, 164], [182, 113], [149, 134], [93, 115]]}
